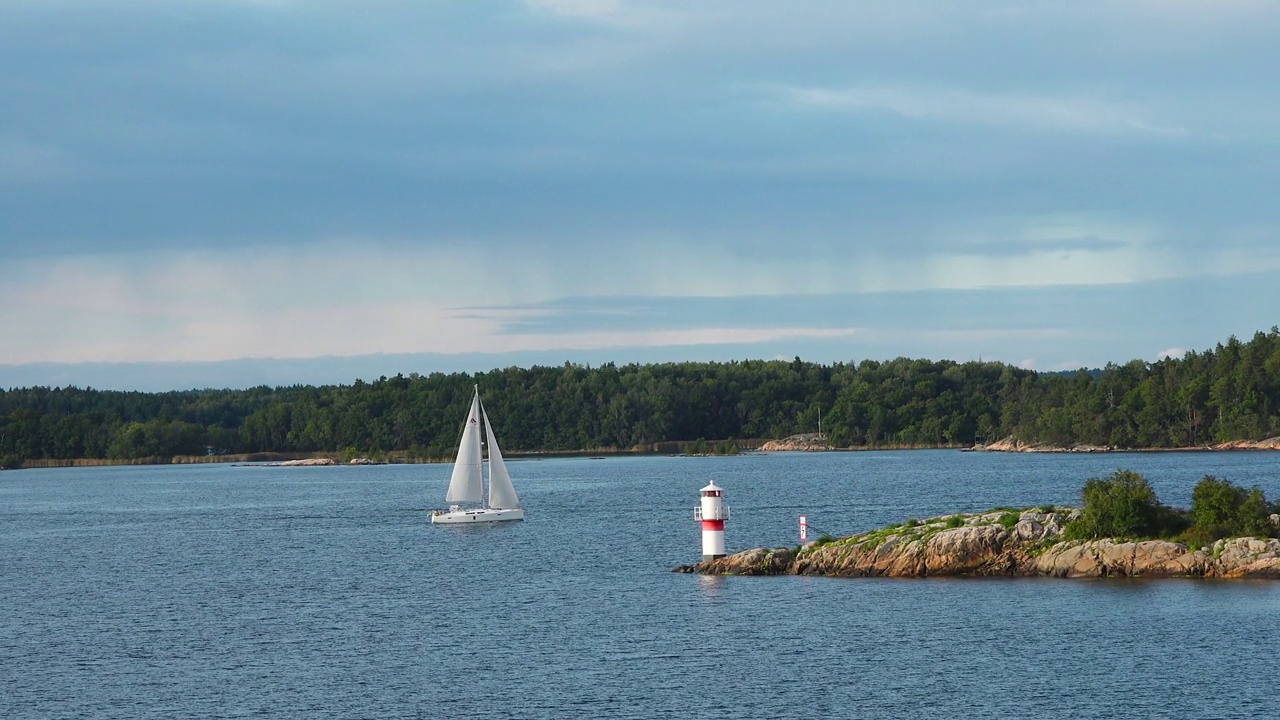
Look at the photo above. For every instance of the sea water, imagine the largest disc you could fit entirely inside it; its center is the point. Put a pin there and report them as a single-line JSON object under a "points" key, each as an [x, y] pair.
{"points": [[222, 591]]}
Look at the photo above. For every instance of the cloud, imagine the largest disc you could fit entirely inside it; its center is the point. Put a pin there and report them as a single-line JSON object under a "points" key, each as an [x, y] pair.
{"points": [[587, 9], [339, 299], [205, 179], [1170, 132], [337, 329], [26, 162], [953, 104], [360, 294], [1173, 352], [1006, 247], [691, 337]]}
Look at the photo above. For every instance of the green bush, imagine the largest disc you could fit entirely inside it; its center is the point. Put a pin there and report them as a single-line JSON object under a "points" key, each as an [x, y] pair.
{"points": [[10, 462], [1170, 521], [727, 447], [1220, 509], [955, 521], [1253, 519], [1008, 520], [1121, 505]]}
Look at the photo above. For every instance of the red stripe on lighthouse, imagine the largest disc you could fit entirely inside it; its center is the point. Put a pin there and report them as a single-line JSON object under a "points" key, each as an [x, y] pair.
{"points": [[713, 525]]}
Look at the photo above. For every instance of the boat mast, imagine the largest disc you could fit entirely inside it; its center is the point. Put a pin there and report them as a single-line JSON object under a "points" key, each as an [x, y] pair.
{"points": [[485, 461]]}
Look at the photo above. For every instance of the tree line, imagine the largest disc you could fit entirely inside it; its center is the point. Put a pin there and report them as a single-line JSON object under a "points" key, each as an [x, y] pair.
{"points": [[1231, 392]]}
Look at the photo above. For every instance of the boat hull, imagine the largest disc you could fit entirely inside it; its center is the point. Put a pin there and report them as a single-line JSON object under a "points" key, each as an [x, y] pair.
{"points": [[475, 515]]}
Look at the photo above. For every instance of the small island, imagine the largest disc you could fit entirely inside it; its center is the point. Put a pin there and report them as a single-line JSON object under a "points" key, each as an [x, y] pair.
{"points": [[1121, 530]]}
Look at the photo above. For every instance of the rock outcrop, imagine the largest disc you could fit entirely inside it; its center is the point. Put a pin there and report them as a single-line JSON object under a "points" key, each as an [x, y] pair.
{"points": [[805, 442], [1001, 543], [1268, 444], [306, 462], [1012, 444]]}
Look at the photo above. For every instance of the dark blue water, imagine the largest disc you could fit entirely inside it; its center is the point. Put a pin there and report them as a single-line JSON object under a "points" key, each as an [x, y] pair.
{"points": [[218, 591]]}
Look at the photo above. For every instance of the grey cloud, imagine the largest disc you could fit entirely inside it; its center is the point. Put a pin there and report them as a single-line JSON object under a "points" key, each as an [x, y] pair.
{"points": [[1078, 308], [1014, 247], [1056, 326], [224, 124]]}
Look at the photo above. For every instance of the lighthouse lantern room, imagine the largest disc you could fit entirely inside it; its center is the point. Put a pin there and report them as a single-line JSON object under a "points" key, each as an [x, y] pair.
{"points": [[712, 512]]}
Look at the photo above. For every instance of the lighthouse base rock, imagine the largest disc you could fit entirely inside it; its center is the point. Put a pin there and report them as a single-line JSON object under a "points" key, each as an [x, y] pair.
{"points": [[1000, 544]]}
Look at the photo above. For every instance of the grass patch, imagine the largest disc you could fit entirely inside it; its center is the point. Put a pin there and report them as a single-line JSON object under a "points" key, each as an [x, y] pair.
{"points": [[1038, 547]]}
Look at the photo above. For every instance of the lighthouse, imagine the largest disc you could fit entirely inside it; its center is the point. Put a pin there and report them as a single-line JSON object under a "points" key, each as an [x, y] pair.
{"points": [[712, 513]]}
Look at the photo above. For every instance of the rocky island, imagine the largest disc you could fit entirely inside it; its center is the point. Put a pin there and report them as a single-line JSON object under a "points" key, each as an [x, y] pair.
{"points": [[1018, 543], [804, 442]]}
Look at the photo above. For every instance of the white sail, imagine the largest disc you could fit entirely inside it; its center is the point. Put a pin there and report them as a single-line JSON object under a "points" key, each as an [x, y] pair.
{"points": [[466, 485], [501, 493]]}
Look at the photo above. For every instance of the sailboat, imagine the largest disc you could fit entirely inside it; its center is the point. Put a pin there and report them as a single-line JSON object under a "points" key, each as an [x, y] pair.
{"points": [[466, 485]]}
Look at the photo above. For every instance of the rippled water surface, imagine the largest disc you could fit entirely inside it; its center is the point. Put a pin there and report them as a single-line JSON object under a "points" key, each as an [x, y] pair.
{"points": [[221, 591]]}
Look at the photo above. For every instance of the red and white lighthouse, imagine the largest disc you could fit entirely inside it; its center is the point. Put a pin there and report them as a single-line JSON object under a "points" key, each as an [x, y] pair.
{"points": [[712, 513]]}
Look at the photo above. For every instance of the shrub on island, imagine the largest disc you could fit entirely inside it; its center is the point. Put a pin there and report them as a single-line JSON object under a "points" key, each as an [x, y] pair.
{"points": [[1220, 510], [1123, 505]]}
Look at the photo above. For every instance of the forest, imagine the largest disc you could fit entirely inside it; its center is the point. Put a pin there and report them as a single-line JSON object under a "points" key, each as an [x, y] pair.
{"points": [[1230, 392]]}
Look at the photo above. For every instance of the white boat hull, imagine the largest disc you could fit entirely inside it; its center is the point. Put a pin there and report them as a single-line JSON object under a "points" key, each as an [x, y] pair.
{"points": [[475, 515]]}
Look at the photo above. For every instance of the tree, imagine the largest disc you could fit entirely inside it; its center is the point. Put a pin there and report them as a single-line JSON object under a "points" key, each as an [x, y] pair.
{"points": [[1121, 505], [1220, 509]]}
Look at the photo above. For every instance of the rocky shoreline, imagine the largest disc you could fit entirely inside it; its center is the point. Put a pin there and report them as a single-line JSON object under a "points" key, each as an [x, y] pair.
{"points": [[804, 442], [815, 442], [1024, 543], [1012, 444], [314, 462]]}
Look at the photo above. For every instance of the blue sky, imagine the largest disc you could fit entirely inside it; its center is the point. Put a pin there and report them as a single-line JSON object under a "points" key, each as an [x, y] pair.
{"points": [[231, 193]]}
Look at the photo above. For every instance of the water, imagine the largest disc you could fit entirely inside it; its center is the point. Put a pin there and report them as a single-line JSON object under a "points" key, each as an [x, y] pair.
{"points": [[218, 591]]}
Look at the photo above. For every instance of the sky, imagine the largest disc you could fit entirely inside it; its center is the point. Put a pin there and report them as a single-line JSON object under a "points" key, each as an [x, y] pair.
{"points": [[228, 193]]}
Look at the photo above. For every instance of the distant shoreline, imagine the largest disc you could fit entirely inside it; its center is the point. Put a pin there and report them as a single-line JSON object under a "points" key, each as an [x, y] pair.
{"points": [[666, 448], [1011, 444]]}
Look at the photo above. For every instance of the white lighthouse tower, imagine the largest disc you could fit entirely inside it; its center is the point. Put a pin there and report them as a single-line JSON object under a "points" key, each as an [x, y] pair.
{"points": [[712, 513]]}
